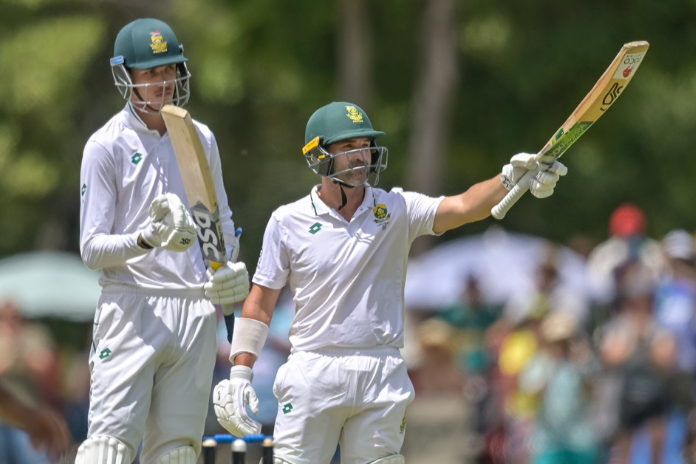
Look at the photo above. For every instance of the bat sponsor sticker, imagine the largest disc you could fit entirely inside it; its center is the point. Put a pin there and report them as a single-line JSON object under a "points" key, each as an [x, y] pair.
{"points": [[629, 65]]}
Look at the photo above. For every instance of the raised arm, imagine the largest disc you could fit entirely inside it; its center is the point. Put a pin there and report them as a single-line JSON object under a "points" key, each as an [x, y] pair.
{"points": [[475, 204]]}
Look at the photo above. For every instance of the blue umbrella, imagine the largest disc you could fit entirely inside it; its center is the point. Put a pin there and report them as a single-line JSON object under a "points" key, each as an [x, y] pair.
{"points": [[50, 284]]}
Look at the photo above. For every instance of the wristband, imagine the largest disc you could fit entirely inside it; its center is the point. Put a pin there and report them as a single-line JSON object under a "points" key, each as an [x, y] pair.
{"points": [[249, 337]]}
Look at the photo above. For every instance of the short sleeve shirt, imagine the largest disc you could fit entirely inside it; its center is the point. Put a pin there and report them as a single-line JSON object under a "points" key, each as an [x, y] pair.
{"points": [[347, 277]]}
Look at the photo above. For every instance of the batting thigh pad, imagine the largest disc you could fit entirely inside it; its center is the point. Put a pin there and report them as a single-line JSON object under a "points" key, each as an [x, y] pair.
{"points": [[103, 450], [393, 459], [181, 455]]}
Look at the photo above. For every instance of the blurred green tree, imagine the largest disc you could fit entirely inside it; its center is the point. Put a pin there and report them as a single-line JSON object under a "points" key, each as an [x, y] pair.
{"points": [[261, 67]]}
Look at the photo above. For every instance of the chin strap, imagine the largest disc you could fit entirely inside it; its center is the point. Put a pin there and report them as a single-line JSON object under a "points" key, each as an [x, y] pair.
{"points": [[135, 91], [342, 184]]}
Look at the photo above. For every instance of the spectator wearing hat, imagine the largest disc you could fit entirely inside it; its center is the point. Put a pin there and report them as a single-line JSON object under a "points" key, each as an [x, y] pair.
{"points": [[628, 241], [560, 375], [643, 356]]}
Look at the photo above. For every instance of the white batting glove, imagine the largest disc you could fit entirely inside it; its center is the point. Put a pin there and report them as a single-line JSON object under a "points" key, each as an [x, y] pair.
{"points": [[229, 284], [543, 184], [230, 399], [171, 226]]}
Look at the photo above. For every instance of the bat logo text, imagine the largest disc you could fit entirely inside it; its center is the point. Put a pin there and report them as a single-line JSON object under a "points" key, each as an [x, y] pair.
{"points": [[611, 96]]}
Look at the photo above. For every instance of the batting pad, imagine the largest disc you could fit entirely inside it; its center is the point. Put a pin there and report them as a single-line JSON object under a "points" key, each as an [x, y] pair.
{"points": [[103, 450], [182, 455], [393, 459]]}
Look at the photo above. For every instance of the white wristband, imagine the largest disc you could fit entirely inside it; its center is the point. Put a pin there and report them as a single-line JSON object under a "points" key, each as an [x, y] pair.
{"points": [[249, 337]]}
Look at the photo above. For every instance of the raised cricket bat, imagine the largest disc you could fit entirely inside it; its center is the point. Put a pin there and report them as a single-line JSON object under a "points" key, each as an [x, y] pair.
{"points": [[604, 93], [200, 190]]}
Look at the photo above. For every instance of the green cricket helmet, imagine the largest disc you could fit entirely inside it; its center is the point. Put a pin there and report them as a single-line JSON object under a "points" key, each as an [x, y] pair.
{"points": [[336, 122], [144, 44]]}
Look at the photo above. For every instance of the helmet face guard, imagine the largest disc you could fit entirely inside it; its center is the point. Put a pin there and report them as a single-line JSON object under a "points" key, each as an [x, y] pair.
{"points": [[369, 161], [124, 83]]}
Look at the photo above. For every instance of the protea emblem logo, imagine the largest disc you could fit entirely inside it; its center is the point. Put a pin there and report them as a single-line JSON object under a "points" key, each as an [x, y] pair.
{"points": [[354, 115], [382, 216], [158, 45]]}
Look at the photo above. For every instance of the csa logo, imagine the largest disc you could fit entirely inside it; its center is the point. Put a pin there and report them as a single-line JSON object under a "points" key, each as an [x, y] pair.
{"points": [[354, 115], [403, 424], [382, 216], [158, 45]]}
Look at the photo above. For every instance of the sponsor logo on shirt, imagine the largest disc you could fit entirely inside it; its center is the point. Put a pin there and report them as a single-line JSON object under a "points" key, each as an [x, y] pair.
{"points": [[105, 353], [316, 227], [136, 158]]}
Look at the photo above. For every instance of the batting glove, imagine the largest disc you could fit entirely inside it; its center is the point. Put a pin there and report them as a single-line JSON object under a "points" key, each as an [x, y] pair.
{"points": [[230, 399], [228, 285], [541, 185], [171, 226]]}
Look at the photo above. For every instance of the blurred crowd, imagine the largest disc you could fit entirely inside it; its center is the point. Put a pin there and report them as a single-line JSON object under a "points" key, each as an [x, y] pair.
{"points": [[554, 377], [550, 376]]}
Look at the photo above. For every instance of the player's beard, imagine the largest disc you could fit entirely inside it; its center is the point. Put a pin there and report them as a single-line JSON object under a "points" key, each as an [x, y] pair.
{"points": [[356, 176]]}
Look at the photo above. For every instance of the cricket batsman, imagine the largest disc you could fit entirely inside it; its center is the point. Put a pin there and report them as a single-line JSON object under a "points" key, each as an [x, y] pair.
{"points": [[154, 343], [343, 251]]}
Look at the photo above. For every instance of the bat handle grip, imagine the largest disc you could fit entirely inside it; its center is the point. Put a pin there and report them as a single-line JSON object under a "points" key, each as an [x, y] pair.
{"points": [[500, 210], [227, 309]]}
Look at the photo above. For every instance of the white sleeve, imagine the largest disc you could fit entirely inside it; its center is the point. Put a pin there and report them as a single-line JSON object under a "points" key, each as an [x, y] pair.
{"points": [[421, 211], [273, 267], [223, 202], [98, 195]]}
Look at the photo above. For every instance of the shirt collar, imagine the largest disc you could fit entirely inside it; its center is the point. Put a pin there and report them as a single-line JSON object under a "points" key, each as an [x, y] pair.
{"points": [[132, 120], [320, 208]]}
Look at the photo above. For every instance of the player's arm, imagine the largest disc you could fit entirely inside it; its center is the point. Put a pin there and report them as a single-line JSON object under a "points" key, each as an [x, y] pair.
{"points": [[231, 397], [171, 226], [475, 204], [258, 309]]}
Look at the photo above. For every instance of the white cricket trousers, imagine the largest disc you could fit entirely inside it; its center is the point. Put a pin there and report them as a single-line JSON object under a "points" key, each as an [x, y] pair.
{"points": [[355, 397], [151, 367]]}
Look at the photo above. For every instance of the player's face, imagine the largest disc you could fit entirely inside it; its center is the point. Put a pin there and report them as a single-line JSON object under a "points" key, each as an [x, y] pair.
{"points": [[351, 160], [155, 86]]}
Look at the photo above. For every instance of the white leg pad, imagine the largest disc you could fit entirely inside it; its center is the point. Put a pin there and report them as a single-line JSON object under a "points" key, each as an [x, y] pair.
{"points": [[277, 460], [393, 459], [181, 455], [103, 450]]}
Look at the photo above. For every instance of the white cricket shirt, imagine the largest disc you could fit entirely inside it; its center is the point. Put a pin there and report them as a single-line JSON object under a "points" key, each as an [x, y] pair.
{"points": [[347, 278], [125, 166]]}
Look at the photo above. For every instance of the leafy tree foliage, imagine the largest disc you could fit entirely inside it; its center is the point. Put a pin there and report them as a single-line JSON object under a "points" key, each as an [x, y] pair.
{"points": [[261, 67]]}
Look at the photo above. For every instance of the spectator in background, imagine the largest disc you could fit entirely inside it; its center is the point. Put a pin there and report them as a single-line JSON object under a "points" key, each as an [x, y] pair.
{"points": [[28, 369], [644, 356], [547, 293], [627, 242], [560, 375], [472, 316], [675, 311], [28, 358], [438, 372], [46, 431]]}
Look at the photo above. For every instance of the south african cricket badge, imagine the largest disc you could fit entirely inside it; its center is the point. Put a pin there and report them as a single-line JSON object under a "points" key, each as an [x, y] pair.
{"points": [[382, 216]]}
